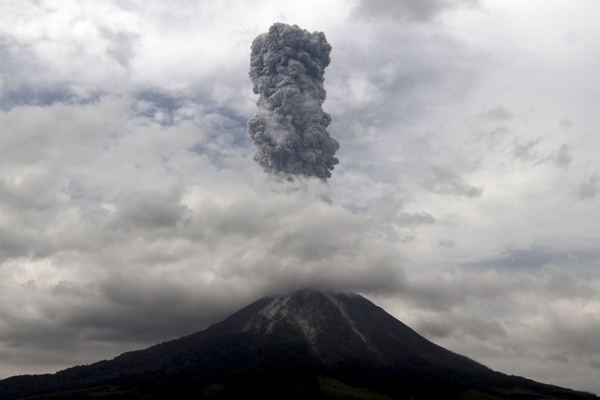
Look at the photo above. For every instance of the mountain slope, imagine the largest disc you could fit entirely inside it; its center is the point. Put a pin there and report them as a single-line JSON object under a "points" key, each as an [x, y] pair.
{"points": [[305, 345]]}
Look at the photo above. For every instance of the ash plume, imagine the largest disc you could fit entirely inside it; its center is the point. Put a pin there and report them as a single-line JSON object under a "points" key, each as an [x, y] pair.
{"points": [[290, 128]]}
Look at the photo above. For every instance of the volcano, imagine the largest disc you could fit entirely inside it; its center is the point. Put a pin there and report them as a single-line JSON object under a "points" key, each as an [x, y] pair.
{"points": [[306, 345]]}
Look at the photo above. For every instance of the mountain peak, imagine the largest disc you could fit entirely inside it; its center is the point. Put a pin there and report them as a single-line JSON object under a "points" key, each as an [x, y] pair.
{"points": [[307, 344], [310, 312], [337, 328]]}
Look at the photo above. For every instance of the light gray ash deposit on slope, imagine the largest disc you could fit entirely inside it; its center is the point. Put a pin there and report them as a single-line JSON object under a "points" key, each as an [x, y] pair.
{"points": [[289, 130], [308, 310]]}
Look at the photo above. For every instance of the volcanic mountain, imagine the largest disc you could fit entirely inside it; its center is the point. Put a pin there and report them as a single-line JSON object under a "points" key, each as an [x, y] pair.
{"points": [[307, 345]]}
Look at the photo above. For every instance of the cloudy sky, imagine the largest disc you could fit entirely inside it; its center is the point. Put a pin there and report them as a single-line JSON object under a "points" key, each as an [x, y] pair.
{"points": [[466, 200]]}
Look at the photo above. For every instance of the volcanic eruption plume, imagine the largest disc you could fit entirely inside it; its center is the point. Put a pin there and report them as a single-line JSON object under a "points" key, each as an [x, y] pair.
{"points": [[290, 128]]}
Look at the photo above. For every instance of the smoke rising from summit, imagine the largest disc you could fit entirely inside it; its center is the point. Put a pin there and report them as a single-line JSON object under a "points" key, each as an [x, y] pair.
{"points": [[290, 128]]}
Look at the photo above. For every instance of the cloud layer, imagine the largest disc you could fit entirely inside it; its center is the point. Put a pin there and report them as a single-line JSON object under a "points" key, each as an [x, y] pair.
{"points": [[465, 201]]}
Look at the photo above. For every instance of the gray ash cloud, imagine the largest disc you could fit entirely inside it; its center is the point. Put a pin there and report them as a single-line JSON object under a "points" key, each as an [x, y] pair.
{"points": [[290, 128]]}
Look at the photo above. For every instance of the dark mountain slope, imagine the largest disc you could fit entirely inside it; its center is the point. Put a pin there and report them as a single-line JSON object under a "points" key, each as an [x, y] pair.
{"points": [[306, 345]]}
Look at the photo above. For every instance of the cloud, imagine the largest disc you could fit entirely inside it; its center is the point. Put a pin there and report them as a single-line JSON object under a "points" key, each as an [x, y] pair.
{"points": [[499, 113], [549, 315], [145, 268], [562, 157], [449, 183], [149, 210], [408, 10], [588, 187], [413, 219], [121, 45], [531, 152]]}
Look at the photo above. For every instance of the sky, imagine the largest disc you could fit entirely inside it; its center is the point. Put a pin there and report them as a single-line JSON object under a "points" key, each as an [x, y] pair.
{"points": [[465, 201]]}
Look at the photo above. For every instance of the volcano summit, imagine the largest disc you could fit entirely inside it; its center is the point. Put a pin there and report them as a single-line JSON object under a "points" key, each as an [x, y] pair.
{"points": [[308, 344]]}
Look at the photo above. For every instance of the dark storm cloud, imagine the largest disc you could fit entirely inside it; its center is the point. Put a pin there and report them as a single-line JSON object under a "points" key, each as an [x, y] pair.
{"points": [[290, 129]]}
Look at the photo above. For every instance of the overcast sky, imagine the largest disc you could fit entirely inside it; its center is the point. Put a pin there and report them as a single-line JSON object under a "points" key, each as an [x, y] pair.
{"points": [[465, 203]]}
